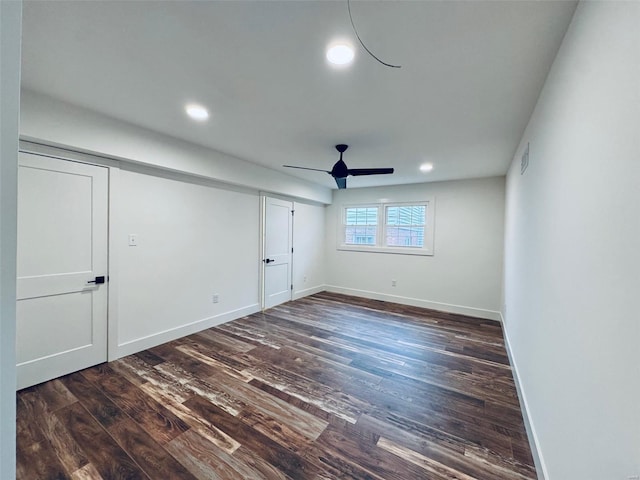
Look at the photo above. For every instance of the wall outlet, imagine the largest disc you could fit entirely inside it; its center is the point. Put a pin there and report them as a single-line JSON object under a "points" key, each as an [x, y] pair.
{"points": [[215, 298], [304, 280], [393, 283], [133, 239]]}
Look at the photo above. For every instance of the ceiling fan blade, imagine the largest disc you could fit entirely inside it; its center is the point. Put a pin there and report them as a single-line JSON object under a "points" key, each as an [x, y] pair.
{"points": [[307, 168], [340, 171], [369, 171]]}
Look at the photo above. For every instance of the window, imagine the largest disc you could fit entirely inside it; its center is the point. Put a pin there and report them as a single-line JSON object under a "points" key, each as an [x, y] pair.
{"points": [[404, 226], [361, 226], [388, 228]]}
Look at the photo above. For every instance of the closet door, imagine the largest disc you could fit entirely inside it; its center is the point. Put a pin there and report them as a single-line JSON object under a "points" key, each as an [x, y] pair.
{"points": [[277, 255], [61, 323]]}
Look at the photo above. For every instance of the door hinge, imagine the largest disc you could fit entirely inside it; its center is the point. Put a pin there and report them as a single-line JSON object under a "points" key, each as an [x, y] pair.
{"points": [[291, 249], [292, 212], [292, 286]]}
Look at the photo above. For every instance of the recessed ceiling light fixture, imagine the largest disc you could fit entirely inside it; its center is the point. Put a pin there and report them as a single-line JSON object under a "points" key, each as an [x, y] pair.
{"points": [[340, 54], [197, 112], [426, 167]]}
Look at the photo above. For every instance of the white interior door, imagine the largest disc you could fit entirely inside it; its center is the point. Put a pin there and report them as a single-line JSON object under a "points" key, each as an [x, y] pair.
{"points": [[61, 316], [278, 238]]}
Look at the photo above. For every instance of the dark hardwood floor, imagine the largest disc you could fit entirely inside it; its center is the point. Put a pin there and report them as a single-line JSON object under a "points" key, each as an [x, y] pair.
{"points": [[326, 387]]}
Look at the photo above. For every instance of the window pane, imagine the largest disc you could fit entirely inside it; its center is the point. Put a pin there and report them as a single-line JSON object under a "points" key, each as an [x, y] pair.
{"points": [[361, 216], [392, 216], [406, 215], [360, 235], [392, 237], [405, 225], [361, 225], [405, 237]]}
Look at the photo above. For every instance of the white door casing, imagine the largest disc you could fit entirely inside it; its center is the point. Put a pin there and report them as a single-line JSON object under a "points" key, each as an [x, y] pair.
{"points": [[61, 318], [277, 255]]}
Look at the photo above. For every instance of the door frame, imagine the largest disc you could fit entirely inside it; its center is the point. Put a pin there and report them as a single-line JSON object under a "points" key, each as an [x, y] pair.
{"points": [[113, 207], [262, 249]]}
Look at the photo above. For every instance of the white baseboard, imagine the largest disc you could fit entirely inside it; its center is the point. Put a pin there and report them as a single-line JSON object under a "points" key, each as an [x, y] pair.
{"points": [[139, 344], [541, 467], [308, 291], [417, 302]]}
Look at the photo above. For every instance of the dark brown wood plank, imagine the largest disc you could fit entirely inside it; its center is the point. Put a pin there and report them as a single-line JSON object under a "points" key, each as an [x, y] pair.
{"points": [[169, 353], [154, 417], [88, 472], [323, 413], [447, 450], [358, 446], [167, 391], [39, 461], [320, 370], [271, 451], [222, 343], [109, 459], [146, 452], [142, 375], [27, 430], [331, 400], [67, 451], [92, 398], [261, 407], [207, 462], [55, 395]]}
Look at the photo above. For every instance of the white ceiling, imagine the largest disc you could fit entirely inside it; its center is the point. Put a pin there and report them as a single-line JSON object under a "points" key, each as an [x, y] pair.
{"points": [[471, 73]]}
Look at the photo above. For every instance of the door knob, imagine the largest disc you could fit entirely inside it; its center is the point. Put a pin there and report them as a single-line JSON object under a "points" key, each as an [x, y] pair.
{"points": [[97, 280], [268, 260]]}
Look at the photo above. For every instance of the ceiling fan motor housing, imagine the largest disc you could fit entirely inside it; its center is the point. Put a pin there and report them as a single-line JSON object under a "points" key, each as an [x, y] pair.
{"points": [[340, 169]]}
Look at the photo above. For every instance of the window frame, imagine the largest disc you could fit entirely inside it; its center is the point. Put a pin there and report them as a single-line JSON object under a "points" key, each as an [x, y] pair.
{"points": [[381, 232]]}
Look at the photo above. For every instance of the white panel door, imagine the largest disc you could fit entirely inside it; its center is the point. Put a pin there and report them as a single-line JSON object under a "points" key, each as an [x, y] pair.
{"points": [[278, 235], [61, 313]]}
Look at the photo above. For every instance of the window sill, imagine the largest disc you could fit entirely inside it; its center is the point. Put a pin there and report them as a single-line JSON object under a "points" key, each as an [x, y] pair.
{"points": [[393, 250]]}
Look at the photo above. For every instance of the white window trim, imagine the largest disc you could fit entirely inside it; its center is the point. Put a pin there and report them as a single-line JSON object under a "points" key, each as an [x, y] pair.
{"points": [[427, 250]]}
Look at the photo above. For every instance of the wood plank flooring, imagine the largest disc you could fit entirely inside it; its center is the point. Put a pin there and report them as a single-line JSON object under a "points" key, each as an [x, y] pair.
{"points": [[326, 387]]}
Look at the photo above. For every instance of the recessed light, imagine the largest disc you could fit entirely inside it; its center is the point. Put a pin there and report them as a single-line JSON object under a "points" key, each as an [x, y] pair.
{"points": [[426, 167], [340, 54], [197, 112]]}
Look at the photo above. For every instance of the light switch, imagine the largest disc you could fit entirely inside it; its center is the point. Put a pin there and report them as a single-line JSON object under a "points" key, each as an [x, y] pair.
{"points": [[133, 239]]}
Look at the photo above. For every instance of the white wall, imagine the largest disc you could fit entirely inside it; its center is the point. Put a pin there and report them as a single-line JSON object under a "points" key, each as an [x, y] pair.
{"points": [[572, 258], [44, 119], [10, 27], [194, 240], [309, 250], [465, 273], [196, 212]]}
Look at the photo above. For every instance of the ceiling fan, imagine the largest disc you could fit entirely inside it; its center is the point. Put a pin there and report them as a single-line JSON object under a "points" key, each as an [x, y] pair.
{"points": [[340, 171]]}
